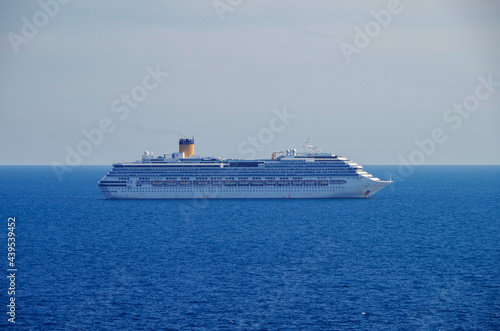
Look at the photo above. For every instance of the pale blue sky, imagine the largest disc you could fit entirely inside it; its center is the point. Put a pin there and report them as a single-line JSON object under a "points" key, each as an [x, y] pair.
{"points": [[226, 77]]}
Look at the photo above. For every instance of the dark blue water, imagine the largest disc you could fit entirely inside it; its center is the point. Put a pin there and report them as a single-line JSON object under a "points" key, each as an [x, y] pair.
{"points": [[423, 255]]}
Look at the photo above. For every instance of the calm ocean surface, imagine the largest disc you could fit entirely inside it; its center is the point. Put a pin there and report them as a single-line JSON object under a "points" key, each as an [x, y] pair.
{"points": [[424, 254]]}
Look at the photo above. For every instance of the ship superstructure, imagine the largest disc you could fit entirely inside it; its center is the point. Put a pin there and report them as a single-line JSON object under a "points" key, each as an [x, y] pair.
{"points": [[287, 174]]}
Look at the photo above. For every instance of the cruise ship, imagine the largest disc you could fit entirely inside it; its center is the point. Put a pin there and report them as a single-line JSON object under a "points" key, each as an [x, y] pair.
{"points": [[287, 174]]}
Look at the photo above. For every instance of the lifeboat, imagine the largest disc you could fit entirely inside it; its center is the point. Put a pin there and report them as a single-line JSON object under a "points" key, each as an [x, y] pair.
{"points": [[243, 183], [309, 182], [202, 182], [270, 182], [338, 181], [230, 182], [170, 183], [256, 183], [323, 183], [216, 182], [185, 183], [157, 183], [283, 182], [296, 182]]}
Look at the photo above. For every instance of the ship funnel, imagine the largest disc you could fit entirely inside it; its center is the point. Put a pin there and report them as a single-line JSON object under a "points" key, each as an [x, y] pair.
{"points": [[186, 146]]}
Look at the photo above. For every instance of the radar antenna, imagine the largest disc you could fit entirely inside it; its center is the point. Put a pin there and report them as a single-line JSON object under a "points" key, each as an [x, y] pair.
{"points": [[312, 149]]}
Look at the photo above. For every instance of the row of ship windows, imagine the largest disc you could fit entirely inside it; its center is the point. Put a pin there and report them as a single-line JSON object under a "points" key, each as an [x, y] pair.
{"points": [[241, 183], [226, 178], [208, 166], [238, 169], [316, 166], [229, 189], [253, 176], [210, 175], [226, 190]]}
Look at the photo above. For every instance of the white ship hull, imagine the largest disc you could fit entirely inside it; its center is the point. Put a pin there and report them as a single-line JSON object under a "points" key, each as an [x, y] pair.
{"points": [[353, 188]]}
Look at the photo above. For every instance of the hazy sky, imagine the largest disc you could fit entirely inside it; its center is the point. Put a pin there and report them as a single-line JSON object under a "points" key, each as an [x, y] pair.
{"points": [[102, 66]]}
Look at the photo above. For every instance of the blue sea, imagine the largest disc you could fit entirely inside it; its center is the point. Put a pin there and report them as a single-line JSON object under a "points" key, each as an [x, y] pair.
{"points": [[423, 254]]}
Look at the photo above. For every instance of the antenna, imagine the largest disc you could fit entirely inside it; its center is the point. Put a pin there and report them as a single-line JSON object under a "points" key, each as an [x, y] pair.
{"points": [[312, 149]]}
